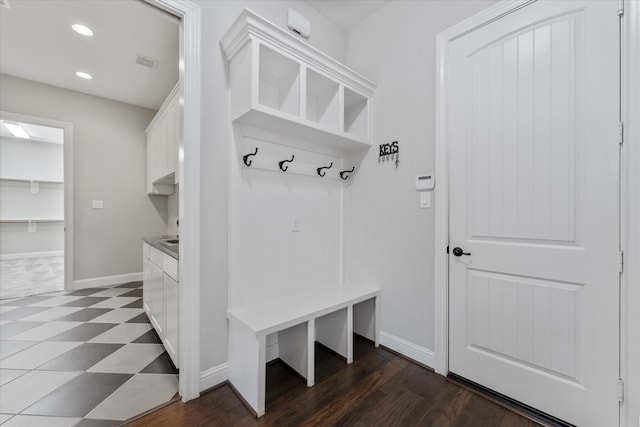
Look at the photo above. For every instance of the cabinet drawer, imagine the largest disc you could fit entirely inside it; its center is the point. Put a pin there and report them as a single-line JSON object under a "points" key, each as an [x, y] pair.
{"points": [[171, 267], [156, 257]]}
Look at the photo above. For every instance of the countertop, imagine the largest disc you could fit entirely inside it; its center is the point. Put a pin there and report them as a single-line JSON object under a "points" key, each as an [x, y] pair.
{"points": [[154, 241]]}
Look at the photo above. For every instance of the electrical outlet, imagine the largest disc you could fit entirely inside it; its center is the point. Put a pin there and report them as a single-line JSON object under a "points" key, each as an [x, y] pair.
{"points": [[295, 224]]}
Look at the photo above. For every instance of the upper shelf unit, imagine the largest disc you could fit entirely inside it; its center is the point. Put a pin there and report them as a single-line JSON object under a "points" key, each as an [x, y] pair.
{"points": [[281, 83]]}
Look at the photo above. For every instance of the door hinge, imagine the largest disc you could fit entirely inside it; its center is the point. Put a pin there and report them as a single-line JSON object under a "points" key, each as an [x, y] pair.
{"points": [[620, 261], [620, 390], [447, 249], [620, 132], [620, 7]]}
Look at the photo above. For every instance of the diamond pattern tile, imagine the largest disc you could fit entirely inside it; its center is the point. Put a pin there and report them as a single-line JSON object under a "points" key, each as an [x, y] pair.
{"points": [[87, 358]]}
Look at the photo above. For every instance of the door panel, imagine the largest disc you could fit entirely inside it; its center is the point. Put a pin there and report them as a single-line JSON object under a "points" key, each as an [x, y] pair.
{"points": [[533, 114], [523, 141]]}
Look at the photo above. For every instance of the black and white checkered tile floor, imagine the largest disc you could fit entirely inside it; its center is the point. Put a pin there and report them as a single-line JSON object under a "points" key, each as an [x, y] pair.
{"points": [[81, 358]]}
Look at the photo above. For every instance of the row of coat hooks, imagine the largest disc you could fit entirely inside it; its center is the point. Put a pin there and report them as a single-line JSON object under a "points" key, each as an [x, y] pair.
{"points": [[283, 165]]}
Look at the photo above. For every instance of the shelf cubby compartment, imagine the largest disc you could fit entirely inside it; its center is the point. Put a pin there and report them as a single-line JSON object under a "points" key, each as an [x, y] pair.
{"points": [[356, 114], [322, 100], [279, 82]]}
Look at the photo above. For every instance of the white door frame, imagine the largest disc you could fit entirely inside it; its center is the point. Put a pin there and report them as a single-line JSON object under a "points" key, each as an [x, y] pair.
{"points": [[68, 183], [189, 169], [630, 212], [630, 176]]}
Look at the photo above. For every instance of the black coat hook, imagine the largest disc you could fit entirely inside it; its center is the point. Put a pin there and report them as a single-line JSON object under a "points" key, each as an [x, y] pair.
{"points": [[284, 168], [344, 174], [320, 170], [245, 158]]}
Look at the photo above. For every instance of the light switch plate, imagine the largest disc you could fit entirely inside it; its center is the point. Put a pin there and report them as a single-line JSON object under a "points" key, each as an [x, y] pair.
{"points": [[96, 204], [425, 199], [295, 224]]}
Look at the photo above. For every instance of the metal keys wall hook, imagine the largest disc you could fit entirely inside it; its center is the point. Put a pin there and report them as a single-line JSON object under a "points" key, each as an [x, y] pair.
{"points": [[245, 158], [344, 174], [320, 169], [284, 168]]}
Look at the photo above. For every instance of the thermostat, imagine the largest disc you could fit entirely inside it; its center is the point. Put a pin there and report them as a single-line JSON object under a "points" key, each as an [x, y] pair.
{"points": [[425, 182]]}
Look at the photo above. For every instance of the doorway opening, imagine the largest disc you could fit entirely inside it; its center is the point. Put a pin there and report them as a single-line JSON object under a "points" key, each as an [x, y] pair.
{"points": [[36, 205]]}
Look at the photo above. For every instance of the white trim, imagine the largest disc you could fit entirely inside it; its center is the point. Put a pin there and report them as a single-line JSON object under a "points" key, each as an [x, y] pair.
{"points": [[99, 282], [441, 297], [630, 213], [406, 348], [189, 201], [7, 257], [68, 184], [214, 376]]}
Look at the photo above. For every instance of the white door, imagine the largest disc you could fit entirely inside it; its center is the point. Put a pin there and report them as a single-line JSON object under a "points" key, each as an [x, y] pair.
{"points": [[533, 134]]}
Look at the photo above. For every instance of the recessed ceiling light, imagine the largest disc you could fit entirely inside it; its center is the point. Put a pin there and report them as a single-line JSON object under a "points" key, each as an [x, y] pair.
{"points": [[81, 29], [16, 129], [83, 75]]}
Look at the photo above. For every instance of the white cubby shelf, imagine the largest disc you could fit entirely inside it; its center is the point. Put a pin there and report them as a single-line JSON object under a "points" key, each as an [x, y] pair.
{"points": [[281, 83]]}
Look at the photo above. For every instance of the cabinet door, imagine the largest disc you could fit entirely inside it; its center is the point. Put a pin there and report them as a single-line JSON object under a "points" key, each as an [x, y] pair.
{"points": [[146, 285], [163, 128], [173, 122], [171, 296], [157, 298], [150, 154], [177, 134], [153, 156]]}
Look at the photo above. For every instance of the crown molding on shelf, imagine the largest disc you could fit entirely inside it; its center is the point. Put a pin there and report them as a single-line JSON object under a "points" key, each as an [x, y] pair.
{"points": [[250, 25]]}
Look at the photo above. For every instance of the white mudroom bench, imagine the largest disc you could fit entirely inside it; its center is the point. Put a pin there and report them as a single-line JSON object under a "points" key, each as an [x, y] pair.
{"points": [[324, 314]]}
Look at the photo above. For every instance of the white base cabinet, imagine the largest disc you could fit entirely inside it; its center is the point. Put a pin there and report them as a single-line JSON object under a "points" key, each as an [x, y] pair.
{"points": [[171, 317], [160, 297]]}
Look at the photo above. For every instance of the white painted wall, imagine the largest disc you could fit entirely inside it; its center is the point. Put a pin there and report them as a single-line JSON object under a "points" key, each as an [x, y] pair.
{"points": [[110, 165], [389, 239], [216, 136], [268, 259], [18, 202], [14, 240], [26, 159]]}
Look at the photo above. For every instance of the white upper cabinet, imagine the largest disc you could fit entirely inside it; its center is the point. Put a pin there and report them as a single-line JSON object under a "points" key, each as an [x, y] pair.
{"points": [[281, 83], [163, 142]]}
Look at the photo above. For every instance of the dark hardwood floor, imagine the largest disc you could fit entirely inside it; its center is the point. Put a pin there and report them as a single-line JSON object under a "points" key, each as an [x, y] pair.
{"points": [[378, 389]]}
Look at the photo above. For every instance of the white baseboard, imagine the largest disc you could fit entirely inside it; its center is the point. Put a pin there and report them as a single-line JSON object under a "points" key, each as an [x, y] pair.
{"points": [[7, 257], [98, 282], [406, 348], [214, 376]]}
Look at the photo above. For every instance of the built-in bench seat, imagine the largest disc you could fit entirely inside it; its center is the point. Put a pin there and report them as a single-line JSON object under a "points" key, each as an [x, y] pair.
{"points": [[324, 314]]}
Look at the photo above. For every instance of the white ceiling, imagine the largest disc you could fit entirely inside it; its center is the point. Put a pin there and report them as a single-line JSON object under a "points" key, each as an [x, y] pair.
{"points": [[347, 13], [37, 43]]}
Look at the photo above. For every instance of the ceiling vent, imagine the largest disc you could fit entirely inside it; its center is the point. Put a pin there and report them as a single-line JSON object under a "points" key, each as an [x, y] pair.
{"points": [[145, 61], [5, 4]]}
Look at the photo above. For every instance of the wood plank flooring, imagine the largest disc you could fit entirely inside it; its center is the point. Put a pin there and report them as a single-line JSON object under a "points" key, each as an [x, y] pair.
{"points": [[378, 389]]}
